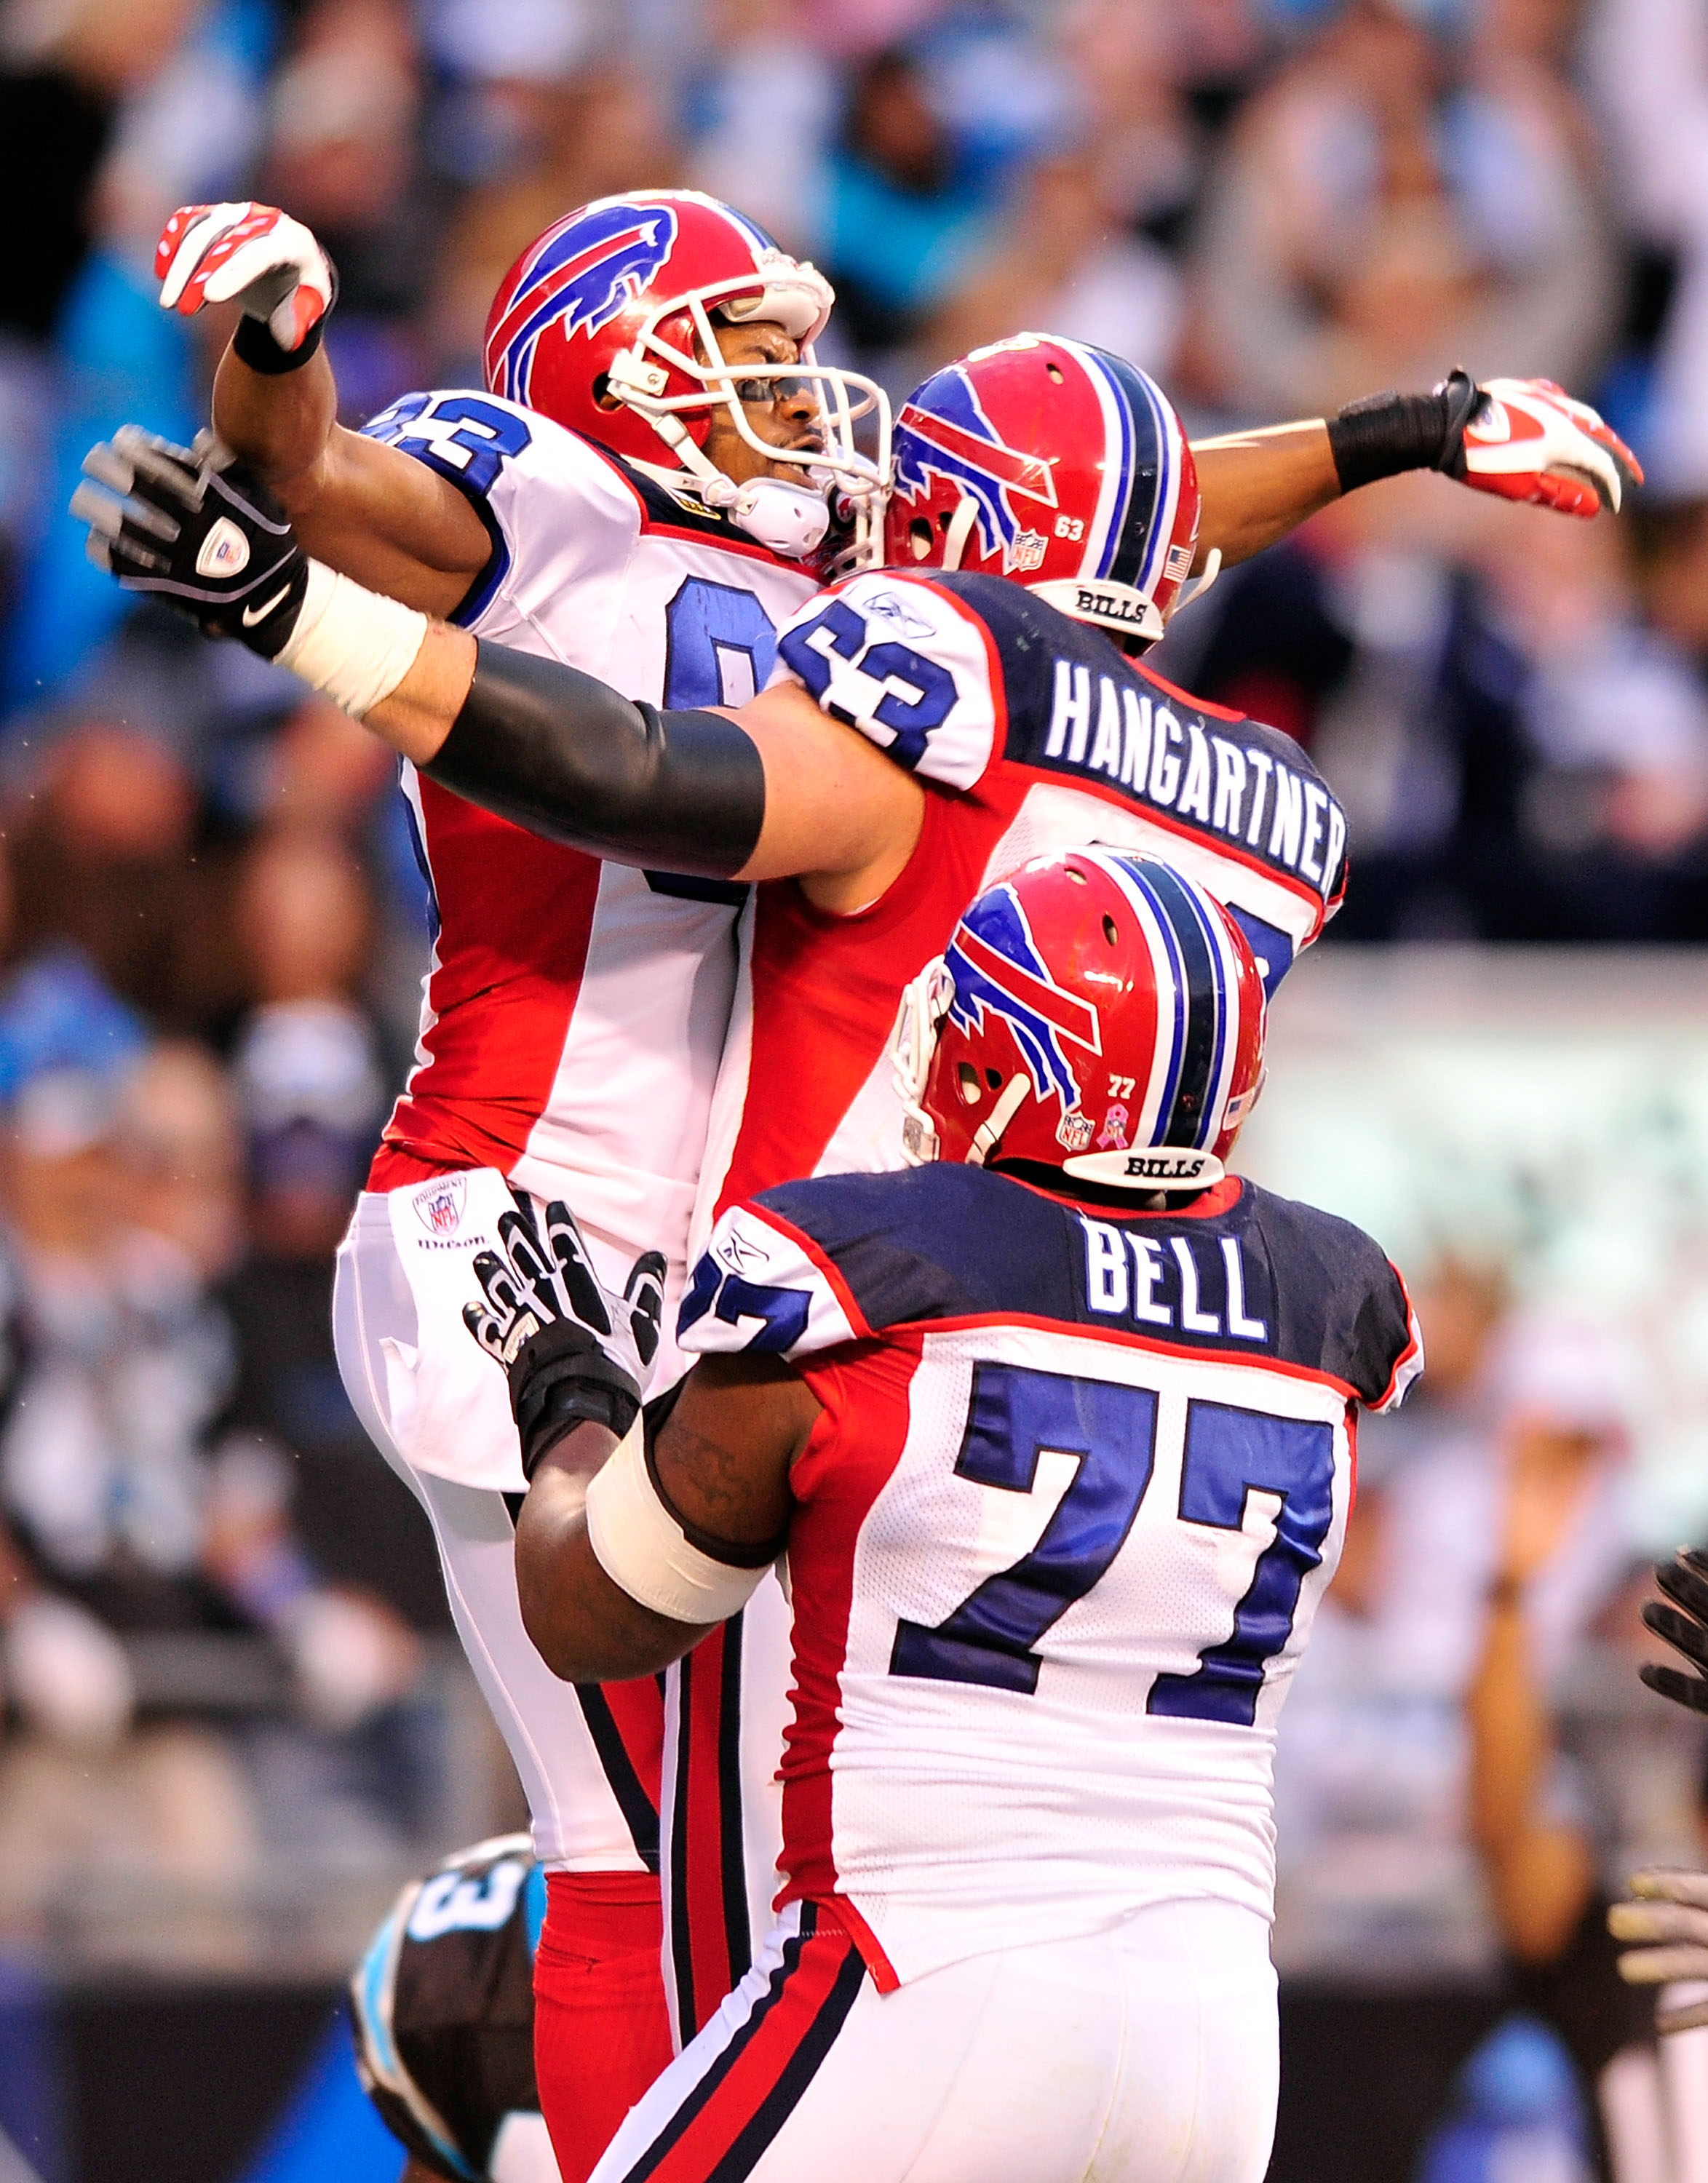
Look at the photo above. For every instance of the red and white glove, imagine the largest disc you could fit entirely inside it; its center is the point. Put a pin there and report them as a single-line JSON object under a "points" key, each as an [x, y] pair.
{"points": [[252, 254], [1527, 439]]}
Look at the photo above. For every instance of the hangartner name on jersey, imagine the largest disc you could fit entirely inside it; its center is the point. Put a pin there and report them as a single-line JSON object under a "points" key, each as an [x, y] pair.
{"points": [[1178, 761]]}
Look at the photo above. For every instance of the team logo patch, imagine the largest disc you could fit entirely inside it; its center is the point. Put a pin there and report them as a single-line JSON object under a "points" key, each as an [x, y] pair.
{"points": [[583, 275], [439, 1206], [947, 433], [996, 967], [224, 551]]}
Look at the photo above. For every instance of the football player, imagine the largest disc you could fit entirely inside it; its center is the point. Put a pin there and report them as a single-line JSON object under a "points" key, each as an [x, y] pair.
{"points": [[853, 818], [442, 2006], [1060, 1463], [635, 490]]}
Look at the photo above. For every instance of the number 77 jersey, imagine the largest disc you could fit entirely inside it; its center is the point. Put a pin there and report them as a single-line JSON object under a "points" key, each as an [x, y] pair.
{"points": [[1079, 1482]]}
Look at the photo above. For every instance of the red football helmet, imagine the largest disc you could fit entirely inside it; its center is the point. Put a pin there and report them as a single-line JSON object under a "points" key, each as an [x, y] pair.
{"points": [[1059, 465], [605, 323], [1096, 1015]]}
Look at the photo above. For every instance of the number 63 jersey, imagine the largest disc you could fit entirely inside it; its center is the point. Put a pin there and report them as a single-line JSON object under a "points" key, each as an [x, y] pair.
{"points": [[1030, 733], [1079, 1482]]}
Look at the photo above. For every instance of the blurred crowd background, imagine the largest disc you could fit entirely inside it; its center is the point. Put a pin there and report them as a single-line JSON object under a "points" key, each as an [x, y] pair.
{"points": [[223, 1649]]}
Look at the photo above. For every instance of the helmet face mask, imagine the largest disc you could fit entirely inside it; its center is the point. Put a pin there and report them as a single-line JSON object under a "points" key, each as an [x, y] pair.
{"points": [[1058, 466], [1097, 1021], [608, 324]]}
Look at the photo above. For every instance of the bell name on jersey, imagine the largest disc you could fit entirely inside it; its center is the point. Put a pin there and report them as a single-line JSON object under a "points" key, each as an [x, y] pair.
{"points": [[1079, 1482]]}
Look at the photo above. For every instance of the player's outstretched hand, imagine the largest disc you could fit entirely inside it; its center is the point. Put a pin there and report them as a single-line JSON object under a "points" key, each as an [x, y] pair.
{"points": [[252, 254], [1527, 439], [198, 530], [1682, 1619], [572, 1350], [1669, 1917]]}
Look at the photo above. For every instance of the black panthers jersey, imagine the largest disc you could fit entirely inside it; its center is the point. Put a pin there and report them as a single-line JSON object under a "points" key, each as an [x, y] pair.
{"points": [[444, 2008]]}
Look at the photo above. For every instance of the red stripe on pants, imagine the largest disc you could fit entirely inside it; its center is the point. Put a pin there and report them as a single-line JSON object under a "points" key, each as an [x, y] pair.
{"points": [[708, 1862], [762, 2059]]}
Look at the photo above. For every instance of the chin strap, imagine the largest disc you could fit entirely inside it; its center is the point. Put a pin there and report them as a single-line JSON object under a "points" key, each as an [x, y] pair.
{"points": [[790, 518], [960, 530], [989, 1133], [1195, 587]]}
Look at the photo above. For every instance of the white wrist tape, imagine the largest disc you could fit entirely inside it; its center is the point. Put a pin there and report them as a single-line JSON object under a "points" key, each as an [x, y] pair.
{"points": [[355, 644], [641, 1546]]}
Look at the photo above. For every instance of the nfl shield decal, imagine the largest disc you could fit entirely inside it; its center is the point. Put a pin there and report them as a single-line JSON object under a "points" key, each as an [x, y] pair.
{"points": [[439, 1206]]}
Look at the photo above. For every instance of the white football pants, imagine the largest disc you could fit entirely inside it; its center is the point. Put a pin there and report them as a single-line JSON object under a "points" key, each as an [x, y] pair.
{"points": [[1144, 2054], [588, 1764]]}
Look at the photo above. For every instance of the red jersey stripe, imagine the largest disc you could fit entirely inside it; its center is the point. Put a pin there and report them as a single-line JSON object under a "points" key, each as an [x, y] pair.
{"points": [[518, 917]]}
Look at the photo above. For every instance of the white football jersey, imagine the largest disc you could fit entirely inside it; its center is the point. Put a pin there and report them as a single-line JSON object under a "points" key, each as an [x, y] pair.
{"points": [[575, 1010], [1079, 1483]]}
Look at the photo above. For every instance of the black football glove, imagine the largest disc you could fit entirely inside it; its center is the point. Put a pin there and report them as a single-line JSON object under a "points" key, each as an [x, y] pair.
{"points": [[573, 1351], [1684, 1625], [196, 529]]}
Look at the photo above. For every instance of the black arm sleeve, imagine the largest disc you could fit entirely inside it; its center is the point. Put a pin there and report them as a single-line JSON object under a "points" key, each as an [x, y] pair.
{"points": [[557, 752], [1381, 435]]}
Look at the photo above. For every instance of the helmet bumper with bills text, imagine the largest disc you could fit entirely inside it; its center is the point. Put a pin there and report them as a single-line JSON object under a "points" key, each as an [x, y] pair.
{"points": [[1058, 466], [608, 324], [1097, 1017]]}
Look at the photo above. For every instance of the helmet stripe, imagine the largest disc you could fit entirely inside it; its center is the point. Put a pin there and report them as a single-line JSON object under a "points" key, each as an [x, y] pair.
{"points": [[1148, 516], [1160, 525], [1103, 528], [1126, 470], [1187, 1106], [1169, 971], [751, 228]]}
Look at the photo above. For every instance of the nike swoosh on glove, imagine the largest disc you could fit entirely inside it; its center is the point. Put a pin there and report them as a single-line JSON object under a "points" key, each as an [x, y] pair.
{"points": [[252, 254], [1528, 440], [198, 530]]}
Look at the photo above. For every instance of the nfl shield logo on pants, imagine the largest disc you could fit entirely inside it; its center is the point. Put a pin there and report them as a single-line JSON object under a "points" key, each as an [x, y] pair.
{"points": [[439, 1205]]}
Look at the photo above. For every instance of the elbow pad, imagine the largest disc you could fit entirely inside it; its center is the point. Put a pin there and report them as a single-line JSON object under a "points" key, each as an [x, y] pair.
{"points": [[562, 754]]}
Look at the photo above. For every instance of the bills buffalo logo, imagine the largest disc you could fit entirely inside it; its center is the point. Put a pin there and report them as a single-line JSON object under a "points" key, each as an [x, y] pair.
{"points": [[439, 1206], [997, 968], [945, 433], [581, 275]]}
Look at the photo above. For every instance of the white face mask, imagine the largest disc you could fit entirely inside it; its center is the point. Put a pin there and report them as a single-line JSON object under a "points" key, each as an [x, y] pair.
{"points": [[776, 511]]}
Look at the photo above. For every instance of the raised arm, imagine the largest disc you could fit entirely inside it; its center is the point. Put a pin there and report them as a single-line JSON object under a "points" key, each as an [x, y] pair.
{"points": [[1521, 439], [368, 511], [776, 791]]}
